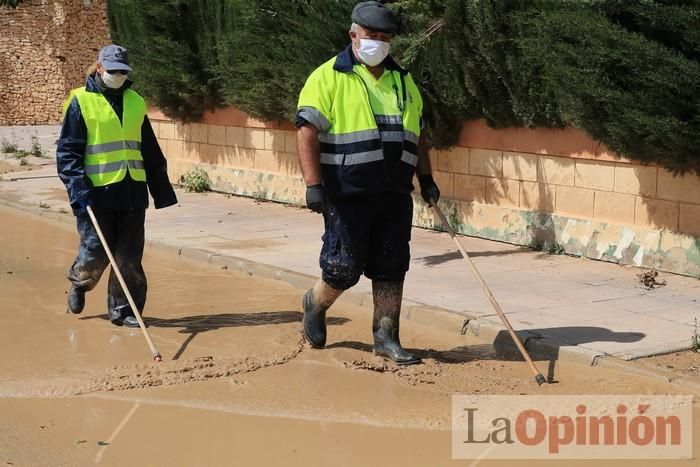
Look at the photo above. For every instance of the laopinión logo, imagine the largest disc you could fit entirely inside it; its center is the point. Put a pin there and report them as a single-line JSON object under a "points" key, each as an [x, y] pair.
{"points": [[572, 427]]}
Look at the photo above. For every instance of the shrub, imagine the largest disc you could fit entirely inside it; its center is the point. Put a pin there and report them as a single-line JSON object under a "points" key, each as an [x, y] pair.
{"points": [[170, 52], [7, 147], [37, 150], [10, 3], [196, 180], [627, 73]]}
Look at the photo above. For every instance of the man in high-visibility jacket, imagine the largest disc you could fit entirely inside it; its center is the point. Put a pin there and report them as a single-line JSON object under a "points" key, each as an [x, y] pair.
{"points": [[108, 158], [359, 119]]}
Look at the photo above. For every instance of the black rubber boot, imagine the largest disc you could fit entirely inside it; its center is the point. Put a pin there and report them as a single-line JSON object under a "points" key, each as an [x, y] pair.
{"points": [[128, 321], [314, 322], [123, 316], [385, 325], [316, 302], [76, 300]]}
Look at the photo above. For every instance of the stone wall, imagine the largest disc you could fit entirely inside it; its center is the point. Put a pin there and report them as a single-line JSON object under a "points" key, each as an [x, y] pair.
{"points": [[552, 189], [562, 191], [45, 48]]}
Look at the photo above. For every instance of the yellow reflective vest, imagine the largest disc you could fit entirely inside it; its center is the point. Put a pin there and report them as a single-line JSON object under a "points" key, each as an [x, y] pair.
{"points": [[353, 134], [113, 148], [67, 102]]}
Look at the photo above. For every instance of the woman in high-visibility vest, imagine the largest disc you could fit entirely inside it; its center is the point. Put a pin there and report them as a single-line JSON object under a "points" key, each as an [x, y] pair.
{"points": [[108, 158]]}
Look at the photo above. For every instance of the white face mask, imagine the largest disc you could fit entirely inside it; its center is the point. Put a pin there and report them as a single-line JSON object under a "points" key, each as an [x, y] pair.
{"points": [[372, 52], [113, 81]]}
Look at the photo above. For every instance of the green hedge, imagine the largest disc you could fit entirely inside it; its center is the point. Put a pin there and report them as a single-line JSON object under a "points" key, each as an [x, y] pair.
{"points": [[625, 71]]}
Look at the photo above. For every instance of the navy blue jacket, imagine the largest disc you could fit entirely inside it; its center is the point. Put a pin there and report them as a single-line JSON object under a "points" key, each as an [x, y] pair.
{"points": [[125, 195]]}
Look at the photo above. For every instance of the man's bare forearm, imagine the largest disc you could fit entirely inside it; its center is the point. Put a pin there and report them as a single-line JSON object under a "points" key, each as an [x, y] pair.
{"points": [[309, 150], [423, 165]]}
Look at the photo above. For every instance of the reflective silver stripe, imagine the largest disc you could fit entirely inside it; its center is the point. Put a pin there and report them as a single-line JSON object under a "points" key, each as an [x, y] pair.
{"points": [[392, 136], [390, 119], [412, 137], [135, 145], [352, 159], [345, 138], [114, 146], [368, 135], [332, 159], [136, 165], [409, 158], [105, 168], [314, 117]]}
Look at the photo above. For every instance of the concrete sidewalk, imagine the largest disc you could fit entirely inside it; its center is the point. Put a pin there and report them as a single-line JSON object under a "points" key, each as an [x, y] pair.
{"points": [[564, 307]]}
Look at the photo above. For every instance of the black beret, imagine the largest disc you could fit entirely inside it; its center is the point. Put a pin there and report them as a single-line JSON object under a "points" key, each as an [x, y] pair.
{"points": [[374, 16]]}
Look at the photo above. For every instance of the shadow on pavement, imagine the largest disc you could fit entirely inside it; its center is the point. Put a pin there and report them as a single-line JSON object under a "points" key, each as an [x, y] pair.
{"points": [[456, 355], [435, 260], [504, 349], [566, 336], [194, 325]]}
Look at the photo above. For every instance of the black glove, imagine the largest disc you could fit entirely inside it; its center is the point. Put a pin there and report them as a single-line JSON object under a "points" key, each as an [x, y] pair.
{"points": [[316, 198], [428, 189]]}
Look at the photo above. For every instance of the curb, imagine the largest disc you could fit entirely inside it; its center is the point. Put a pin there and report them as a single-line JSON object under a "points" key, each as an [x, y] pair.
{"points": [[492, 331]]}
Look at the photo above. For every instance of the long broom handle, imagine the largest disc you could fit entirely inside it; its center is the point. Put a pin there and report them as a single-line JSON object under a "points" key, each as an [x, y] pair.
{"points": [[539, 378], [115, 268]]}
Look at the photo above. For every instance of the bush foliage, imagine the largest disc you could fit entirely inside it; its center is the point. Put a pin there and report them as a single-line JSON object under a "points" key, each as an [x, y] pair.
{"points": [[625, 71], [196, 180]]}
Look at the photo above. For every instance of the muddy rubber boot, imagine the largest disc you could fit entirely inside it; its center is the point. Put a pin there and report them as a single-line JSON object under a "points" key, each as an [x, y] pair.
{"points": [[131, 322], [123, 316], [76, 300], [316, 302], [385, 325]]}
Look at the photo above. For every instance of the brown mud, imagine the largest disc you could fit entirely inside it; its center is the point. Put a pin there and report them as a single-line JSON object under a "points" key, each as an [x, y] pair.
{"points": [[237, 385], [679, 364], [6, 167]]}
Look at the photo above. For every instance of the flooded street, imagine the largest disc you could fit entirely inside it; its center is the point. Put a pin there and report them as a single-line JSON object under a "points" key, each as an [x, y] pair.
{"points": [[237, 385]]}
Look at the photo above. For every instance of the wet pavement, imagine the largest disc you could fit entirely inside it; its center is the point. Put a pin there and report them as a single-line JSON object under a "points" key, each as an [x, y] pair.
{"points": [[563, 307], [237, 385]]}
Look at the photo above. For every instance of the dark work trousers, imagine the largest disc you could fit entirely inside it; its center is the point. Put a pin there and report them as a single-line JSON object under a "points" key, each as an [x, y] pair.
{"points": [[367, 234], [124, 232]]}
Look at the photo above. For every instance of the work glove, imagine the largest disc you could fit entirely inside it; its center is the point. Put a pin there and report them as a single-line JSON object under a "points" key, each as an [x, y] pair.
{"points": [[316, 198], [428, 189]]}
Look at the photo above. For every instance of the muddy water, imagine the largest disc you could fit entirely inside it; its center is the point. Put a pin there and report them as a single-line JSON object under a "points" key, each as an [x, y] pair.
{"points": [[237, 386]]}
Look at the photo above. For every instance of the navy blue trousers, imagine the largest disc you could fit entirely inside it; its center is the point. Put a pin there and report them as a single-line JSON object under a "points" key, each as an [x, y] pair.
{"points": [[367, 234], [124, 232]]}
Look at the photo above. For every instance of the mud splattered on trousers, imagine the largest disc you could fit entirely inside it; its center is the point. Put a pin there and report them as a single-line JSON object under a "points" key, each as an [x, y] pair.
{"points": [[124, 232]]}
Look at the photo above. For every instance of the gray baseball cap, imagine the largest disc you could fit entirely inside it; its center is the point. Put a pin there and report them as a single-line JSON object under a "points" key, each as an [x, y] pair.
{"points": [[374, 16], [114, 57]]}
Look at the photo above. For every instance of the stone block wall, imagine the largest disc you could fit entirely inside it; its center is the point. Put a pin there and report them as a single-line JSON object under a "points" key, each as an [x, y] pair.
{"points": [[242, 155], [565, 172], [552, 189], [45, 48]]}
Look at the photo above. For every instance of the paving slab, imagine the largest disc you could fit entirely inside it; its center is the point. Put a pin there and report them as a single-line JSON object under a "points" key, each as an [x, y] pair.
{"points": [[563, 305]]}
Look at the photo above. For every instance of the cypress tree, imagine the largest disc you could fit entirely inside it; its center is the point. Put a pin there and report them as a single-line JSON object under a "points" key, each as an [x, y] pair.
{"points": [[171, 53], [269, 47], [613, 72], [625, 71]]}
